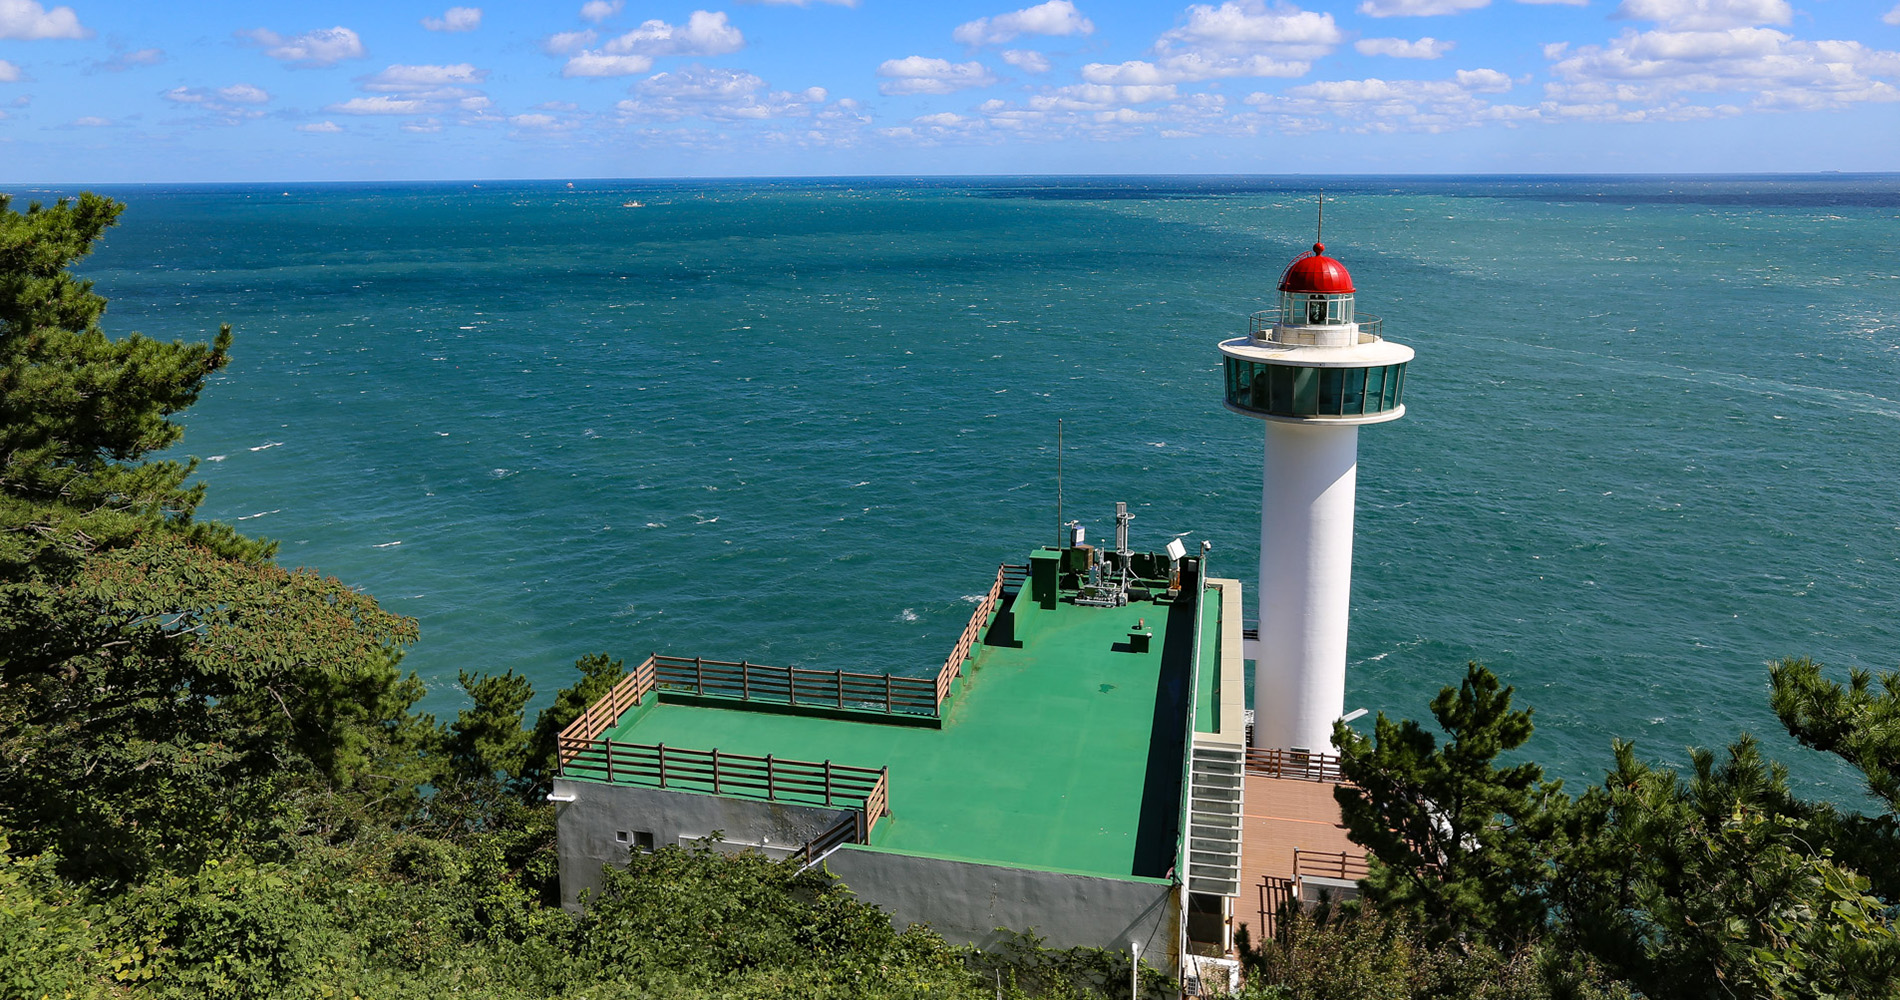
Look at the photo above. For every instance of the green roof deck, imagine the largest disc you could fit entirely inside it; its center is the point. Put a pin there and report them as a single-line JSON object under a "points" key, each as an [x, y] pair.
{"points": [[1060, 747]]}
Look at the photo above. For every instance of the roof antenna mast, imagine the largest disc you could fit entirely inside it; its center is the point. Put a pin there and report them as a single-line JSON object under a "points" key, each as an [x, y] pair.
{"points": [[1321, 224]]}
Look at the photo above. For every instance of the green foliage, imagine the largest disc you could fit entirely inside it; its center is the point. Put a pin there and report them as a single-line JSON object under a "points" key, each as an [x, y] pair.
{"points": [[48, 946], [1022, 962], [1687, 887], [1854, 722], [154, 670], [1459, 845], [1337, 953], [1719, 884]]}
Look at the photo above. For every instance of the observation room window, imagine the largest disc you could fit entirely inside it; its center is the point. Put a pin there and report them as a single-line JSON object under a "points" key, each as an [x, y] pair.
{"points": [[1315, 309]]}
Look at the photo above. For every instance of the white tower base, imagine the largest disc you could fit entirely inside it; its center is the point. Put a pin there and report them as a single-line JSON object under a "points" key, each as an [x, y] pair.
{"points": [[1306, 512]]}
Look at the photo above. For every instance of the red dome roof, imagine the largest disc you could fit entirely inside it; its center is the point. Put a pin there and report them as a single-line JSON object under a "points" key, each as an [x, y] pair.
{"points": [[1316, 273]]}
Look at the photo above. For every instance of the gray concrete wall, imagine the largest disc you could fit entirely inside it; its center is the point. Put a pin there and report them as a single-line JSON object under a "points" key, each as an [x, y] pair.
{"points": [[586, 827], [966, 902]]}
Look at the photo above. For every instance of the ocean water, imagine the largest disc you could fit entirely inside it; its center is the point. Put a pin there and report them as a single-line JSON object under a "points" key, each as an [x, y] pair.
{"points": [[1651, 441]]}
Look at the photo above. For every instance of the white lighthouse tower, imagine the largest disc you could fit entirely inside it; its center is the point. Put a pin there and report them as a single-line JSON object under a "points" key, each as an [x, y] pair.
{"points": [[1314, 373]]}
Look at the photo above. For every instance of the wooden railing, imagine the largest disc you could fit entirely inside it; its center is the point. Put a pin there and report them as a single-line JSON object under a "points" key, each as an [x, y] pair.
{"points": [[1275, 895], [796, 685], [1298, 764], [972, 631], [767, 778], [1329, 864], [846, 831], [604, 714]]}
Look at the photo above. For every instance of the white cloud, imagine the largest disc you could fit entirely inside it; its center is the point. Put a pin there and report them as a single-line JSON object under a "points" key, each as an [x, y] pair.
{"points": [[383, 105], [455, 19], [312, 49], [1096, 96], [1707, 15], [320, 128], [130, 60], [806, 3], [1671, 74], [1398, 48], [717, 94], [230, 105], [401, 89], [600, 10], [540, 121], [921, 75], [1420, 8], [420, 125], [602, 64], [93, 121], [1055, 17], [1892, 16], [1237, 38], [705, 33], [1027, 60], [408, 79], [28, 20], [10, 73], [567, 43], [1383, 106], [237, 93]]}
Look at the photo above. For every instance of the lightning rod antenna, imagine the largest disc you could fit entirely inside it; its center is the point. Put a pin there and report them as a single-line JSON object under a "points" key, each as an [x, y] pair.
{"points": [[1321, 224], [1058, 484]]}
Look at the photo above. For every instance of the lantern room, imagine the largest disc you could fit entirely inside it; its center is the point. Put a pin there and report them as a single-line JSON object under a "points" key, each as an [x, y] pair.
{"points": [[1316, 290]]}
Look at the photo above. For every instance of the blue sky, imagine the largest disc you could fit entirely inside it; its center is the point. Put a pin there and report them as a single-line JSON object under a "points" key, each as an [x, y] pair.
{"points": [[111, 90]]}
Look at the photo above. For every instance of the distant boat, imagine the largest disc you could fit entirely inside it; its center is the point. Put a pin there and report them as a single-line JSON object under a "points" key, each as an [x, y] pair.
{"points": [[633, 204]]}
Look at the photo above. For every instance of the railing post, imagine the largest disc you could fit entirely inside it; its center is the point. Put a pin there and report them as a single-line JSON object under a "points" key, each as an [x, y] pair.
{"points": [[662, 748], [610, 760], [827, 781], [715, 756], [838, 678], [888, 708], [791, 684], [699, 674], [771, 790], [745, 685]]}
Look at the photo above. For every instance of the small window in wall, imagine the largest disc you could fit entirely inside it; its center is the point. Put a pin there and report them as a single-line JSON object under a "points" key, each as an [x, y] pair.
{"points": [[639, 840]]}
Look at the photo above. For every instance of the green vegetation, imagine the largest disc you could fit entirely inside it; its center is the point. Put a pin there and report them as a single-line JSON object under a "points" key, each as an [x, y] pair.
{"points": [[1721, 883]]}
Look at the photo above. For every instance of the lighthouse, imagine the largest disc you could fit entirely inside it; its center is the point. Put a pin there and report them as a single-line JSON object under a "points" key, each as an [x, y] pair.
{"points": [[1314, 372]]}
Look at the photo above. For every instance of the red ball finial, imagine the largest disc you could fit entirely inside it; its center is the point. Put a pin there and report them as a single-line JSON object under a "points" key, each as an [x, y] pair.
{"points": [[1319, 248]]}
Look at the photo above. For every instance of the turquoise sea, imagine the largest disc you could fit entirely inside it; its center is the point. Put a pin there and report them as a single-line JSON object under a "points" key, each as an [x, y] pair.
{"points": [[1651, 440]]}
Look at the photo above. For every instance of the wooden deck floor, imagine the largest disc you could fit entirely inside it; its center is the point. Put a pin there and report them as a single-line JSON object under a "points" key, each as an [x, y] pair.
{"points": [[1280, 815]]}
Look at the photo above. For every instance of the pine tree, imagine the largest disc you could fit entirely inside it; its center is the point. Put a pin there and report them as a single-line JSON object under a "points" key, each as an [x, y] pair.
{"points": [[153, 668]]}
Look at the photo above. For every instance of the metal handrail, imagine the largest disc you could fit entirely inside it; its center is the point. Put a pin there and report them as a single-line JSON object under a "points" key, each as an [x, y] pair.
{"points": [[844, 689], [1298, 764], [1329, 864], [1263, 321]]}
